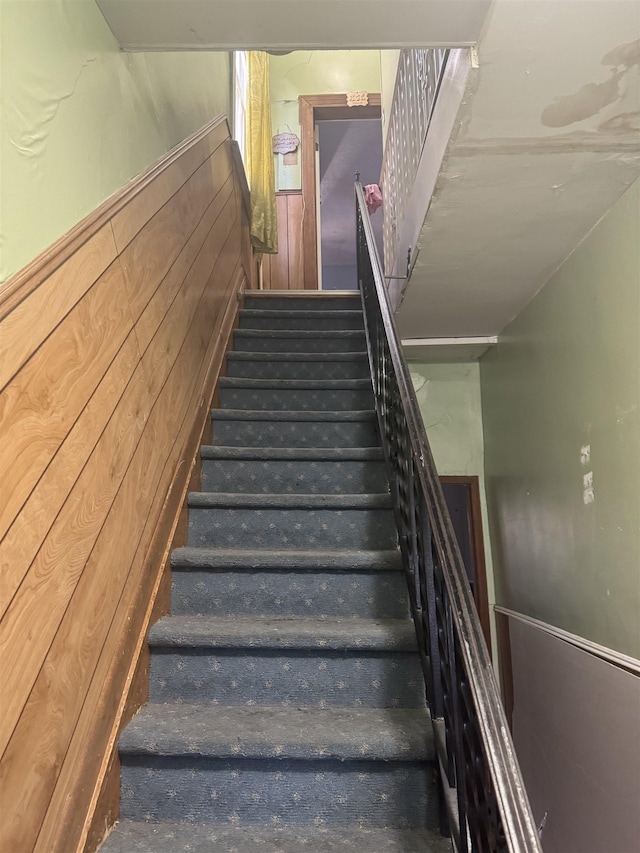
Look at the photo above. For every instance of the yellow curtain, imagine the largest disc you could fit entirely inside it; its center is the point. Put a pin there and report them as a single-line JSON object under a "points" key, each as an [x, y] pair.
{"points": [[260, 172]]}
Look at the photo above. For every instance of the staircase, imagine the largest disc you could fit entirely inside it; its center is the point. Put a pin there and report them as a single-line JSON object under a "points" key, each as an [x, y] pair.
{"points": [[286, 706]]}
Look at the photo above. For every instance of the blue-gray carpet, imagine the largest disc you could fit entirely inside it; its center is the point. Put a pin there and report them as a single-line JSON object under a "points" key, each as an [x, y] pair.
{"points": [[286, 708]]}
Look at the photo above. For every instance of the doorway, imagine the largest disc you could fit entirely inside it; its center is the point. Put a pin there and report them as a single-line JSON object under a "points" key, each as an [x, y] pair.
{"points": [[462, 495], [344, 147], [316, 110]]}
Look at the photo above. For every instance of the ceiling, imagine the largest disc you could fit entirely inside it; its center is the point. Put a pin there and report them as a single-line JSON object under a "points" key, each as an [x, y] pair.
{"points": [[292, 24]]}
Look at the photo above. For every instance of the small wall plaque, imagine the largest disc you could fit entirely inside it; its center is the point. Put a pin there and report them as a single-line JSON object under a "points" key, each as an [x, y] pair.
{"points": [[285, 143], [357, 99]]}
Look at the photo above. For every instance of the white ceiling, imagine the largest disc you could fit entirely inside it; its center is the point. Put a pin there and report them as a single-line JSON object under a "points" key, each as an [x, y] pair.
{"points": [[292, 24], [546, 140]]}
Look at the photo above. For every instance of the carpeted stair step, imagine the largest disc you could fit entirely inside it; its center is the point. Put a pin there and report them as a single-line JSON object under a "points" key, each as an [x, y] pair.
{"points": [[139, 837], [269, 633], [257, 660], [334, 766], [273, 340], [291, 521], [279, 583], [297, 365], [247, 428], [301, 470], [297, 319], [287, 703], [303, 301], [296, 394]]}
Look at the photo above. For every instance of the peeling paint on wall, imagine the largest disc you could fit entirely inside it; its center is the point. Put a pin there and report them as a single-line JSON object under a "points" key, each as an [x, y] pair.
{"points": [[588, 495], [81, 118], [591, 98]]}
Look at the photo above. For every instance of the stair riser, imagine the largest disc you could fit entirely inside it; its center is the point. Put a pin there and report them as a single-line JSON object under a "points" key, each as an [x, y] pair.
{"points": [[295, 477], [252, 433], [261, 369], [300, 400], [279, 792], [376, 595], [304, 343], [348, 679], [294, 324], [286, 529], [303, 303]]}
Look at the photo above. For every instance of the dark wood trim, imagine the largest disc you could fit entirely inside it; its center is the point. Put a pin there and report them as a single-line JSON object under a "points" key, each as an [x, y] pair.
{"points": [[313, 107], [505, 665], [480, 590], [241, 174], [308, 172]]}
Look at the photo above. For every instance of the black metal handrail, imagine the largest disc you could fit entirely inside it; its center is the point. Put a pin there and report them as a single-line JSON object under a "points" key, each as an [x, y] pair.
{"points": [[477, 756]]}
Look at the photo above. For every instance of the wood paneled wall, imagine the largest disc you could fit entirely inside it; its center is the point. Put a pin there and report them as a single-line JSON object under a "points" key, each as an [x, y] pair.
{"points": [[284, 271], [110, 346]]}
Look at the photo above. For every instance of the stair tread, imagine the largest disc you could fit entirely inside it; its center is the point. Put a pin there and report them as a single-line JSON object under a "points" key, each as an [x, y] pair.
{"points": [[139, 837], [306, 313], [306, 454], [300, 333], [260, 732], [229, 500], [258, 558], [295, 384], [314, 357], [293, 415], [288, 632]]}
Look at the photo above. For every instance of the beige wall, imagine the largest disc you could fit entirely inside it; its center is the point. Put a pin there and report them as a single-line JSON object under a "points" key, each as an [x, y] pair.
{"points": [[315, 72], [560, 397], [81, 118], [449, 400]]}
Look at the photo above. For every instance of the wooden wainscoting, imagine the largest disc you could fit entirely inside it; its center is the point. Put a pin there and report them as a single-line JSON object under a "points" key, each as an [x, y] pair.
{"points": [[111, 343], [284, 271]]}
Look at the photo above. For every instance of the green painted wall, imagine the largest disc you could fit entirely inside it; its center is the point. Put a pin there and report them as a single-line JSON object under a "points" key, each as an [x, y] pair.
{"points": [[450, 404], [80, 118], [560, 397], [315, 72]]}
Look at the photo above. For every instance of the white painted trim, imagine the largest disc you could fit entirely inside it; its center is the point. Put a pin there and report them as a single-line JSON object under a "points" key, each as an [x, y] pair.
{"points": [[610, 655], [448, 342]]}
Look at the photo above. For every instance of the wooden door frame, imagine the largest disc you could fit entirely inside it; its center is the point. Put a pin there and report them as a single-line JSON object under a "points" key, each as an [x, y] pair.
{"points": [[477, 543], [312, 108]]}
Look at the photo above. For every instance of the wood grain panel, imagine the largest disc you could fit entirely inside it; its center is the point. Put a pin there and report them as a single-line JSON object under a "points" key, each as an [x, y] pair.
{"points": [[22, 542], [170, 227], [16, 289], [119, 337], [41, 404], [169, 337], [146, 485], [24, 329], [294, 241], [156, 192], [50, 582], [137, 587], [158, 306], [285, 270]]}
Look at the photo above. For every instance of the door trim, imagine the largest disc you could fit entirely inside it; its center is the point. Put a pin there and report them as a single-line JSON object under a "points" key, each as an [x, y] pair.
{"points": [[314, 107], [477, 543]]}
